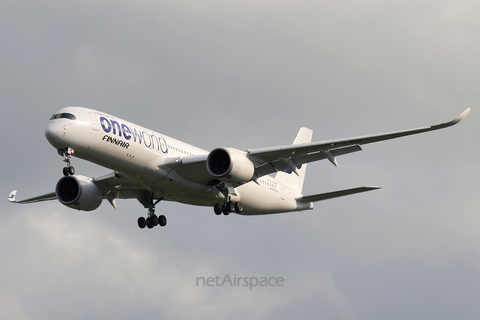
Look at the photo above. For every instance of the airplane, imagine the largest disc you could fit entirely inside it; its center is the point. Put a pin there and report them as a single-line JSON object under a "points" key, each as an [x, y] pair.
{"points": [[152, 167]]}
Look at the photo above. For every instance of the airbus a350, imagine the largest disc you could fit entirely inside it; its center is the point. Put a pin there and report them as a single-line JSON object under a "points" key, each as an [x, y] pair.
{"points": [[151, 167]]}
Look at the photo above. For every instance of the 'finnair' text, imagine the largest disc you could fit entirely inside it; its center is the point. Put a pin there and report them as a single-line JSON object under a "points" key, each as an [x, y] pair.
{"points": [[118, 142]]}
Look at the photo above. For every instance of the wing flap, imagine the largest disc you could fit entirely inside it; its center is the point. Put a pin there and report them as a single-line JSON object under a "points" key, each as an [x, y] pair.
{"points": [[277, 165]]}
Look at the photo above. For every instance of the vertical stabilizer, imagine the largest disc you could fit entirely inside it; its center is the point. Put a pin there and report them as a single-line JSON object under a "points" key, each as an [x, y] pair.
{"points": [[289, 178]]}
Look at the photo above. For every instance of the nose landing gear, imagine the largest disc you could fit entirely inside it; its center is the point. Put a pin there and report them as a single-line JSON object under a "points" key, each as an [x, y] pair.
{"points": [[66, 153]]}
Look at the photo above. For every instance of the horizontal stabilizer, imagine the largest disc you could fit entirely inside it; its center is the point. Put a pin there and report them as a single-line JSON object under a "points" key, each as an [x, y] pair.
{"points": [[334, 194]]}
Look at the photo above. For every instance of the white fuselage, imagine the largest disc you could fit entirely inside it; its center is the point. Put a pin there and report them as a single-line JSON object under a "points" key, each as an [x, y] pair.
{"points": [[140, 153]]}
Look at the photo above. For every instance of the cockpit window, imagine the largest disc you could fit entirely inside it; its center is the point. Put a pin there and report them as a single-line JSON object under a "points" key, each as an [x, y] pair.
{"points": [[63, 115]]}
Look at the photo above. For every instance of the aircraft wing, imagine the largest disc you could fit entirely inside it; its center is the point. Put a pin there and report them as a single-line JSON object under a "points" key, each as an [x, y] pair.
{"points": [[46, 197], [290, 157], [278, 158], [114, 185]]}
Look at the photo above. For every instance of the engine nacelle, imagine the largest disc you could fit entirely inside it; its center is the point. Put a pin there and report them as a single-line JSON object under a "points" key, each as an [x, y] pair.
{"points": [[78, 192], [230, 165]]}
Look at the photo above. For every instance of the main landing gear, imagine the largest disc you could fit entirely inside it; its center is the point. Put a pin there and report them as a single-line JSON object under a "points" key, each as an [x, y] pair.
{"points": [[227, 208], [66, 153], [152, 220]]}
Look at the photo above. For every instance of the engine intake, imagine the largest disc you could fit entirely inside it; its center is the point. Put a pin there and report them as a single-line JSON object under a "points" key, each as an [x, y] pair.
{"points": [[230, 165], [78, 192]]}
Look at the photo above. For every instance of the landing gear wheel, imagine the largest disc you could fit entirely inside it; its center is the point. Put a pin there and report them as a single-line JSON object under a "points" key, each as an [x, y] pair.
{"points": [[149, 223], [162, 220], [230, 206], [65, 171], [218, 209], [142, 222], [225, 210], [154, 220], [151, 220], [71, 170], [238, 207]]}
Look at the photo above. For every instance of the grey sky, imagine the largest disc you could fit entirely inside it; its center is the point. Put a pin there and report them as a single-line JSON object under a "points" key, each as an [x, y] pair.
{"points": [[248, 74]]}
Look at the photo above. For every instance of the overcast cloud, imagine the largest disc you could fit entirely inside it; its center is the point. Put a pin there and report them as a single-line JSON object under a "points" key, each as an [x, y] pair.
{"points": [[248, 74]]}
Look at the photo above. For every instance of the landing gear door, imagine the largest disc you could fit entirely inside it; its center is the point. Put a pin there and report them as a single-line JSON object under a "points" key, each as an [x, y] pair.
{"points": [[93, 121]]}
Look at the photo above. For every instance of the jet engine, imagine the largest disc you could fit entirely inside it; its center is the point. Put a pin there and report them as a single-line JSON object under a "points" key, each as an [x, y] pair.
{"points": [[230, 165], [78, 192]]}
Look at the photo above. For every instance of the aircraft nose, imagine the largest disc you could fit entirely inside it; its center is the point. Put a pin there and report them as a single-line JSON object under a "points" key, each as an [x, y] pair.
{"points": [[54, 133]]}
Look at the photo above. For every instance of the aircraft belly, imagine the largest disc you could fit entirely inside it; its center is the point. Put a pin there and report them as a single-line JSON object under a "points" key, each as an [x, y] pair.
{"points": [[259, 199], [177, 188]]}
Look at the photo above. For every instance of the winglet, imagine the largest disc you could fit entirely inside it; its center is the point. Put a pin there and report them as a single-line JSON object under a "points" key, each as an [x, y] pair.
{"points": [[454, 121], [12, 196]]}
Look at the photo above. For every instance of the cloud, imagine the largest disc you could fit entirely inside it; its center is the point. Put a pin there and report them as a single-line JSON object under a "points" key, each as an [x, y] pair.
{"points": [[85, 269], [10, 308]]}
